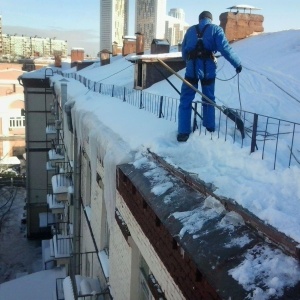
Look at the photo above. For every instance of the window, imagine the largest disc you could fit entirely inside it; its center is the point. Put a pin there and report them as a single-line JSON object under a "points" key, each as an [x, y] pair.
{"points": [[17, 122], [149, 287], [145, 293]]}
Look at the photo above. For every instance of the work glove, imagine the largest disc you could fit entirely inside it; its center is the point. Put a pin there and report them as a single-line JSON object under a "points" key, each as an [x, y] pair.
{"points": [[239, 69]]}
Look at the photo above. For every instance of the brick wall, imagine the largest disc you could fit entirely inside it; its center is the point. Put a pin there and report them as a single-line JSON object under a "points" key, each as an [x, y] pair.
{"points": [[161, 247], [162, 275], [77, 55], [120, 265], [240, 25]]}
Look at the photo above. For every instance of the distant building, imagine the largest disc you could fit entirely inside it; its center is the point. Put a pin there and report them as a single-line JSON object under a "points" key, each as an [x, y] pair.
{"points": [[177, 13], [176, 26], [113, 22], [1, 43], [12, 124], [25, 46], [150, 17]]}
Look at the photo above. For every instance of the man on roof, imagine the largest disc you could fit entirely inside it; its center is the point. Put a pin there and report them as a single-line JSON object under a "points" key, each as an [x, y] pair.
{"points": [[201, 66]]}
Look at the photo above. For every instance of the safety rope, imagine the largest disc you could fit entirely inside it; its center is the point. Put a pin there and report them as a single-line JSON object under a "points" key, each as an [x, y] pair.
{"points": [[283, 90], [114, 73], [227, 79], [110, 76]]}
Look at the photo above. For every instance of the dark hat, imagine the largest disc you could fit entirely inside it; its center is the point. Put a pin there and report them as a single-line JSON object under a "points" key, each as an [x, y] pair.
{"points": [[205, 14]]}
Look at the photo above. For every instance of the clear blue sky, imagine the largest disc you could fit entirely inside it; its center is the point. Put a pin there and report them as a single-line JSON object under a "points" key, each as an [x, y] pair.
{"points": [[77, 21]]}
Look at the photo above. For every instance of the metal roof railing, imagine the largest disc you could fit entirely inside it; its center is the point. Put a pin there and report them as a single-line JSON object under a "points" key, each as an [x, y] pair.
{"points": [[277, 140]]}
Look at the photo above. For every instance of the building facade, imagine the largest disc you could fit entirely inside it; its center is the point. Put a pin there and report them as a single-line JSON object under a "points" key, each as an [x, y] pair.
{"points": [[91, 197], [113, 22], [12, 126], [175, 26], [25, 46], [177, 13], [150, 17]]}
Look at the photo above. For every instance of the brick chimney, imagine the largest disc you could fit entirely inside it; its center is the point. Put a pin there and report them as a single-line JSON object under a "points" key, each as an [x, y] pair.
{"points": [[77, 54], [140, 41], [129, 45], [240, 25], [105, 57]]}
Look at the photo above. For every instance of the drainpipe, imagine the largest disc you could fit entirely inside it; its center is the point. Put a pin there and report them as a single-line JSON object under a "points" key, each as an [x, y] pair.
{"points": [[77, 208]]}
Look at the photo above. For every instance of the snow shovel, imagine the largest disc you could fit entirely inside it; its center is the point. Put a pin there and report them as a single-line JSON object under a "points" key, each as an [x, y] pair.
{"points": [[230, 113]]}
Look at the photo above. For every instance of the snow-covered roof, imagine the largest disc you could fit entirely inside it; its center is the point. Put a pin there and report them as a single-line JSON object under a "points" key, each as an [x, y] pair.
{"points": [[38, 285], [9, 160]]}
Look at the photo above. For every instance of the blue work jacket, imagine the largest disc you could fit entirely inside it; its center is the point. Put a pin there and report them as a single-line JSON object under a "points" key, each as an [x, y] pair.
{"points": [[214, 40]]}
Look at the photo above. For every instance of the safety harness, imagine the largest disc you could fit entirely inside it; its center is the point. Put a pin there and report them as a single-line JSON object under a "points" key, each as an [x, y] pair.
{"points": [[201, 53]]}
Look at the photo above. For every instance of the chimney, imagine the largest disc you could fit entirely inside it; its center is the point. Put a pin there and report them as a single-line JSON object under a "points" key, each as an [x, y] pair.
{"points": [[115, 49], [105, 57], [160, 46], [140, 41], [129, 45], [77, 54], [57, 58]]}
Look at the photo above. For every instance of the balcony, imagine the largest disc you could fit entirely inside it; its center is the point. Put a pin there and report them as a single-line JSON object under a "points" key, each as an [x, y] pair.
{"points": [[55, 206], [47, 259], [56, 155], [61, 244], [60, 186], [88, 285], [50, 128]]}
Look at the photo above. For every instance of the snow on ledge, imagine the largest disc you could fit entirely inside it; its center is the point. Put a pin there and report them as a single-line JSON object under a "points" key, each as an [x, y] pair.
{"points": [[154, 56], [68, 289]]}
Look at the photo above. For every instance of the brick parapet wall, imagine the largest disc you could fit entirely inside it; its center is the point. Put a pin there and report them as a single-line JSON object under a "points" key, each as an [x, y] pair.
{"points": [[182, 269]]}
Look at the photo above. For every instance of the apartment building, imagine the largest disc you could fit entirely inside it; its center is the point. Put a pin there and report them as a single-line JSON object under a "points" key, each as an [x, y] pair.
{"points": [[113, 22], [177, 13], [25, 46], [12, 126], [90, 198], [12, 117], [150, 17], [73, 204]]}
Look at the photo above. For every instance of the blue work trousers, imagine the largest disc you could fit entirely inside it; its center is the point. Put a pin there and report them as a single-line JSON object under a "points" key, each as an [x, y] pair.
{"points": [[185, 107]]}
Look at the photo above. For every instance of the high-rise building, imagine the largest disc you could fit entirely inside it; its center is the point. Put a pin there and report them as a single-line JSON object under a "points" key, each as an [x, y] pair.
{"points": [[176, 26], [150, 17], [177, 13], [113, 22]]}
